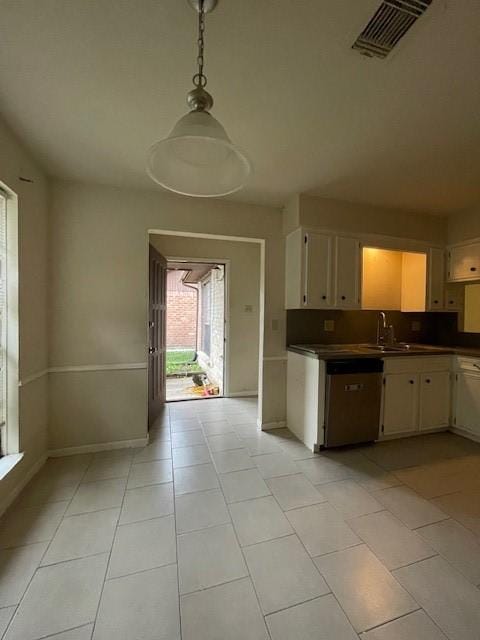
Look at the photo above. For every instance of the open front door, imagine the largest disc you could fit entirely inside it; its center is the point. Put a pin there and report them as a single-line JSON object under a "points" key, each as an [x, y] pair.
{"points": [[157, 334]]}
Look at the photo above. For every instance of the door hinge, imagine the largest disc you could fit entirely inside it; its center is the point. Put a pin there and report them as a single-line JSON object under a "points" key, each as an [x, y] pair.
{"points": [[305, 239], [304, 299], [383, 428], [384, 381]]}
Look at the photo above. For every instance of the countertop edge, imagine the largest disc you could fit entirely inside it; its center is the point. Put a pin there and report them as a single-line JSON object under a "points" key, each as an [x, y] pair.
{"points": [[339, 355]]}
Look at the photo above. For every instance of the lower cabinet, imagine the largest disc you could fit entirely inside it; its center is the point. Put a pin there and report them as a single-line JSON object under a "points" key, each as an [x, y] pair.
{"points": [[467, 402], [415, 398], [400, 403], [434, 405]]}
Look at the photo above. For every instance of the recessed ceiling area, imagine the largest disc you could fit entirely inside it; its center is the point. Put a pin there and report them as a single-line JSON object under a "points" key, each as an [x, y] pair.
{"points": [[89, 86]]}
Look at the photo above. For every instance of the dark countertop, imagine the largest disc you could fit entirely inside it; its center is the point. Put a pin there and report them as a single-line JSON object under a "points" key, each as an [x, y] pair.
{"points": [[334, 352]]}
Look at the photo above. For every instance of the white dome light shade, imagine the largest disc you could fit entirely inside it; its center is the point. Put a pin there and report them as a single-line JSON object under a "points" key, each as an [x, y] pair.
{"points": [[198, 159]]}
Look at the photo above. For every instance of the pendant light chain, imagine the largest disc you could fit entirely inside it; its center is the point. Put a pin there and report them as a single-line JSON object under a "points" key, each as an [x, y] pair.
{"points": [[198, 158], [200, 79]]}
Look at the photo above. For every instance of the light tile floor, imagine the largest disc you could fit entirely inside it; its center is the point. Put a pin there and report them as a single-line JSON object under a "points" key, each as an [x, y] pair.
{"points": [[216, 531]]}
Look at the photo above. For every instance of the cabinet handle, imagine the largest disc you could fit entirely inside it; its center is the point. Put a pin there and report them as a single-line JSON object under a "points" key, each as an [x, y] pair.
{"points": [[324, 297], [428, 380], [435, 302], [451, 301], [473, 268], [412, 381], [344, 298]]}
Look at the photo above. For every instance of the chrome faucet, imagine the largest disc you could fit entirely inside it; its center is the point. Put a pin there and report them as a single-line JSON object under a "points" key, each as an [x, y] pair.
{"points": [[381, 327], [385, 333]]}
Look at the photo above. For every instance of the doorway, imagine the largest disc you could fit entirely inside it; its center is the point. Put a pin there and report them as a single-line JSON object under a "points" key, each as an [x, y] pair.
{"points": [[243, 260], [195, 329]]}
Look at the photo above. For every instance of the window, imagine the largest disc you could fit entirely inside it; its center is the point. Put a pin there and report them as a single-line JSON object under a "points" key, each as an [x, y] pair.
{"points": [[9, 386], [206, 314], [3, 317]]}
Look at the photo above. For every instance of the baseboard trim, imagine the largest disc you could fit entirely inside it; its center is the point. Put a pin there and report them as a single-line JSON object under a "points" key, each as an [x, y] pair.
{"points": [[267, 426], [243, 394], [100, 446], [11, 497], [465, 434]]}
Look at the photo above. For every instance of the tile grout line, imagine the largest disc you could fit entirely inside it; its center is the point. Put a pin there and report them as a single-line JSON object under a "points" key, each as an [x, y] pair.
{"points": [[82, 626], [319, 572], [110, 552], [39, 566], [360, 544], [179, 608], [382, 624], [91, 462], [243, 556]]}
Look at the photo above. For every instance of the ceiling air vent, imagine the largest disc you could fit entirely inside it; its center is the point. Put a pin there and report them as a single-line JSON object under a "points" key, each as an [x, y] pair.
{"points": [[390, 23]]}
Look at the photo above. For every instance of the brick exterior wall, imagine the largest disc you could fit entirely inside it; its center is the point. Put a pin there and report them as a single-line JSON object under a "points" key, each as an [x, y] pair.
{"points": [[181, 313]]}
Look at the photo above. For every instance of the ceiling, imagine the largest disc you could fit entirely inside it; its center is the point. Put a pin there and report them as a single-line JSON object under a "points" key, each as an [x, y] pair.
{"points": [[89, 85]]}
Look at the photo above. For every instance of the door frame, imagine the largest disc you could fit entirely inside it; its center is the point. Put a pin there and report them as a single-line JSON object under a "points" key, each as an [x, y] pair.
{"points": [[226, 311], [261, 335]]}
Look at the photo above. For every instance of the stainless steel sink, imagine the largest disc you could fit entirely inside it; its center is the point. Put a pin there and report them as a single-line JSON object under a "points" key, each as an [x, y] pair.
{"points": [[383, 348]]}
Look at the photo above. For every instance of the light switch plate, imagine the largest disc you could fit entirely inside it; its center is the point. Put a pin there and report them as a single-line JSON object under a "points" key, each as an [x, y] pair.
{"points": [[329, 325]]}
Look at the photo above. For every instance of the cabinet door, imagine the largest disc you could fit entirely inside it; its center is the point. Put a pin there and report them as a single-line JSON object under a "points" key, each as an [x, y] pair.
{"points": [[434, 400], [318, 271], [436, 279], [294, 267], [347, 273], [400, 403], [464, 262], [467, 402], [454, 297]]}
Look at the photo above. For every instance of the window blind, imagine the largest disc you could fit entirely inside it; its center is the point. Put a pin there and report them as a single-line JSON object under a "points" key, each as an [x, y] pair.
{"points": [[3, 304]]}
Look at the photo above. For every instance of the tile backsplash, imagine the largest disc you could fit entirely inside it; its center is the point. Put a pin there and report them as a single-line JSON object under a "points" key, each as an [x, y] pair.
{"points": [[308, 326]]}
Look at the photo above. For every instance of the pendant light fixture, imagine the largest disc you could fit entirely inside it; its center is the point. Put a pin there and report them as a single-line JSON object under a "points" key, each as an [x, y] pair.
{"points": [[198, 158]]}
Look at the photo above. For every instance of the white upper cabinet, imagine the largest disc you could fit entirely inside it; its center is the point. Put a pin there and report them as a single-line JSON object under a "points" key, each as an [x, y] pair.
{"points": [[454, 297], [436, 280], [317, 292], [464, 262], [322, 271], [294, 269], [347, 269]]}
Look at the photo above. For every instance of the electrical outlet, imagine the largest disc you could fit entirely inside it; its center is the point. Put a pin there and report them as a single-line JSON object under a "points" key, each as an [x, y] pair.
{"points": [[416, 325], [329, 325]]}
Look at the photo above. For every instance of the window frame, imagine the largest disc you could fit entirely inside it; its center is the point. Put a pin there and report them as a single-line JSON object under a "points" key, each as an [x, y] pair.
{"points": [[10, 327]]}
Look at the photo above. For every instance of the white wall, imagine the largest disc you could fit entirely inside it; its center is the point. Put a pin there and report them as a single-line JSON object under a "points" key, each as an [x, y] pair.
{"points": [[464, 225], [32, 212], [357, 218], [244, 290], [98, 302]]}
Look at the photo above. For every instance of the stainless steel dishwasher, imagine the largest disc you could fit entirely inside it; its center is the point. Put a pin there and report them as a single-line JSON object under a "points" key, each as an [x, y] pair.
{"points": [[353, 399]]}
